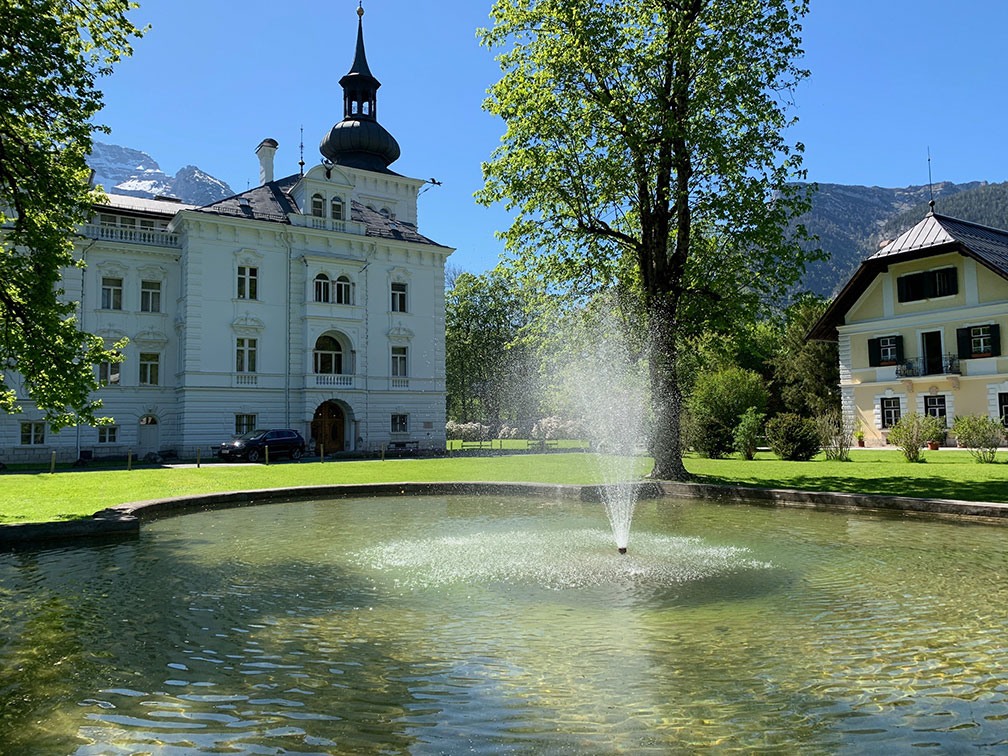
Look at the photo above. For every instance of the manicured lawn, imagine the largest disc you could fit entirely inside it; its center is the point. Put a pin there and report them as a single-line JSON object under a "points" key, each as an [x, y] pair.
{"points": [[946, 474], [32, 497], [40, 496]]}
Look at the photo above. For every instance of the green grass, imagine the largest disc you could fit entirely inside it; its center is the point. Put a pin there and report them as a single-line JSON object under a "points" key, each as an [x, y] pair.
{"points": [[65, 495], [520, 444]]}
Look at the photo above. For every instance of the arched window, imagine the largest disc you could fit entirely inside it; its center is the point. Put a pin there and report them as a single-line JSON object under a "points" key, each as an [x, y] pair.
{"points": [[385, 212], [328, 356], [322, 288], [337, 208], [344, 291], [318, 206]]}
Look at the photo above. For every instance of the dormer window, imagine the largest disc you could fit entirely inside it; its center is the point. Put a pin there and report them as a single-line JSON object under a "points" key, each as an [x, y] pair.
{"points": [[322, 288], [336, 207], [385, 213], [318, 206]]}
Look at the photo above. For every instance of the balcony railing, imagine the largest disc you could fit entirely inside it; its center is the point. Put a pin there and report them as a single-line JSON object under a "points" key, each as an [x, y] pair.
{"points": [[246, 379], [334, 379], [398, 383], [948, 364], [328, 224], [145, 236]]}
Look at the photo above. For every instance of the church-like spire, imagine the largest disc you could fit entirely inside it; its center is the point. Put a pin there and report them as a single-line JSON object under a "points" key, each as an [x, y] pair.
{"points": [[360, 87], [359, 140]]}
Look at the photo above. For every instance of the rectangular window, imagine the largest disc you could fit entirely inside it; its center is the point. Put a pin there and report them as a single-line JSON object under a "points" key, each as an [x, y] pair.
{"points": [[890, 411], [980, 340], [887, 345], [127, 222], [248, 282], [1003, 408], [928, 284], [150, 363], [111, 293], [244, 424], [400, 423], [245, 355], [146, 225], [935, 406], [108, 373], [150, 296], [399, 362], [108, 434], [106, 220], [398, 297], [32, 434]]}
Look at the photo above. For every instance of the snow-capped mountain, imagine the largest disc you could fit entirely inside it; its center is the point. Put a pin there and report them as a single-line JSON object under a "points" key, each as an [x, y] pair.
{"points": [[121, 170]]}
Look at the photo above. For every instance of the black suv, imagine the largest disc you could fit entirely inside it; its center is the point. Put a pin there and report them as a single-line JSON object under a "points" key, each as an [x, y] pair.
{"points": [[252, 446]]}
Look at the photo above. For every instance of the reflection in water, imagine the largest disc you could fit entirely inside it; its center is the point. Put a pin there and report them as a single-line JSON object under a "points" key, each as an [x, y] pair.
{"points": [[491, 625]]}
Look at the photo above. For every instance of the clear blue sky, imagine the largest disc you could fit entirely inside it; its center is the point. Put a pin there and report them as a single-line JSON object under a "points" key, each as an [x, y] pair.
{"points": [[211, 79]]}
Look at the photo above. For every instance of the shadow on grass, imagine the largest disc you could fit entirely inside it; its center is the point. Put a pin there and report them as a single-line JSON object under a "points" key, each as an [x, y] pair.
{"points": [[895, 484]]}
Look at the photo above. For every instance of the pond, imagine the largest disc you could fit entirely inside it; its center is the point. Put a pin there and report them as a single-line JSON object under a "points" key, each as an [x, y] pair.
{"points": [[502, 625]]}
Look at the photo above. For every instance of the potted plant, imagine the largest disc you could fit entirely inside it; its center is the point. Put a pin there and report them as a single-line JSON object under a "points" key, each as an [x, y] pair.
{"points": [[935, 434], [859, 435]]}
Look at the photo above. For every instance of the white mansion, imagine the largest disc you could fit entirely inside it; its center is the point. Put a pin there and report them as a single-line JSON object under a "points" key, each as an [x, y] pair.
{"points": [[309, 302]]}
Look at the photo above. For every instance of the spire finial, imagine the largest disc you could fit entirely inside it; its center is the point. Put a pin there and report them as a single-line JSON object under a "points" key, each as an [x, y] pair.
{"points": [[360, 8], [301, 161]]}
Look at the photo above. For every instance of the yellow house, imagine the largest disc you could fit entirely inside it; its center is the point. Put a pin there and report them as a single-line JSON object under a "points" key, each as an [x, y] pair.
{"points": [[919, 327]]}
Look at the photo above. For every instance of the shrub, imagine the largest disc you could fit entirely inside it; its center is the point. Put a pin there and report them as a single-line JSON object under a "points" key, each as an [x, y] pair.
{"points": [[912, 431], [716, 406], [980, 434], [836, 435], [793, 437], [747, 431], [466, 431]]}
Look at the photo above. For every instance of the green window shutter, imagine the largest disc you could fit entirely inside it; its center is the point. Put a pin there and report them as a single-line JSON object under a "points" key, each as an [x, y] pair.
{"points": [[899, 349], [901, 288], [953, 281], [930, 283], [964, 342], [995, 340], [874, 353]]}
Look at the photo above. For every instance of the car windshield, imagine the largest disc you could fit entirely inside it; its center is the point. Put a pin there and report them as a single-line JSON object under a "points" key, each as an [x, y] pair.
{"points": [[251, 435]]}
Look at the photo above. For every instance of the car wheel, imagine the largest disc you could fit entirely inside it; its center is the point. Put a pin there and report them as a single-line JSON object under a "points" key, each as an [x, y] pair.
{"points": [[253, 455], [296, 453]]}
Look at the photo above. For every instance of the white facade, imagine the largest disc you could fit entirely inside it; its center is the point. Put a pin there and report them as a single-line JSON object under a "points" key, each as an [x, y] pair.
{"points": [[188, 305]]}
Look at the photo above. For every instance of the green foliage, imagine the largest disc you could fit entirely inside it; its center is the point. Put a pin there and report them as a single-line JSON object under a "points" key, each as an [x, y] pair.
{"points": [[645, 149], [51, 53], [747, 432], [806, 373], [912, 431], [491, 372], [717, 404], [836, 435], [793, 437], [982, 435]]}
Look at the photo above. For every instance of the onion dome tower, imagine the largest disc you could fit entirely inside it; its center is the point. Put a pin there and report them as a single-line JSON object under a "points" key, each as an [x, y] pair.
{"points": [[359, 141]]}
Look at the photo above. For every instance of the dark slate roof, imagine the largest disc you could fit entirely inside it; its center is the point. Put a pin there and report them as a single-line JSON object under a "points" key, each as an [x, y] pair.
{"points": [[935, 235], [269, 202], [272, 202]]}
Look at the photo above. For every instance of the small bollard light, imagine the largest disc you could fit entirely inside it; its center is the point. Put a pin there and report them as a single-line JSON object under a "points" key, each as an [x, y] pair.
{"points": [[197, 457], [383, 452], [267, 455], [129, 460], [52, 463], [321, 453]]}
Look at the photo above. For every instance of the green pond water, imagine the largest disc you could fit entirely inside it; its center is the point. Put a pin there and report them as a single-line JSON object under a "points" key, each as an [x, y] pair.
{"points": [[463, 625]]}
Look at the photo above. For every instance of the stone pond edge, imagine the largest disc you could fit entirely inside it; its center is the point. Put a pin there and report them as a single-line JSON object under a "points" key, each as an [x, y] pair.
{"points": [[125, 519]]}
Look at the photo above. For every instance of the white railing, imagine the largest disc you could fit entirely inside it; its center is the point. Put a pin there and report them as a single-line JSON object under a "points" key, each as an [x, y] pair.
{"points": [[398, 383], [328, 224], [147, 237], [341, 381], [246, 379]]}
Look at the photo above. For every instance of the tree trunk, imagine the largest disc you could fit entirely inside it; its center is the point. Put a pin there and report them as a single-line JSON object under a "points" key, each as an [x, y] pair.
{"points": [[666, 396]]}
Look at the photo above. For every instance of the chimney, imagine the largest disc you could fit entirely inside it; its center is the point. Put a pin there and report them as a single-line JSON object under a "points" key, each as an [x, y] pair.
{"points": [[265, 152]]}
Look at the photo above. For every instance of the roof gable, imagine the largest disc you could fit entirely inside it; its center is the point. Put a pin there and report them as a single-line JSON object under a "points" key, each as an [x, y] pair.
{"points": [[934, 235]]}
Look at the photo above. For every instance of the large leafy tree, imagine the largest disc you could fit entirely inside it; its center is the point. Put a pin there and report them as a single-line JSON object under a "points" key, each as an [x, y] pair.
{"points": [[645, 139], [51, 54], [491, 368], [806, 373]]}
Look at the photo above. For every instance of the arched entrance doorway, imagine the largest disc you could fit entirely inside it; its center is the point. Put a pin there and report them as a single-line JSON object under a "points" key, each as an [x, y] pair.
{"points": [[147, 435], [328, 426]]}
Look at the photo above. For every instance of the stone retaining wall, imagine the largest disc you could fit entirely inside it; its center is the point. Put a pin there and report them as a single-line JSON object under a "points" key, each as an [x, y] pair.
{"points": [[125, 519]]}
